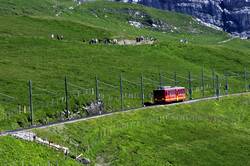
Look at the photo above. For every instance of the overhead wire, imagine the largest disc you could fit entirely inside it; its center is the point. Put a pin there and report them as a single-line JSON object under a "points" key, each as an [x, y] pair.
{"points": [[155, 82], [137, 84], [77, 86], [108, 84], [8, 96], [45, 90]]}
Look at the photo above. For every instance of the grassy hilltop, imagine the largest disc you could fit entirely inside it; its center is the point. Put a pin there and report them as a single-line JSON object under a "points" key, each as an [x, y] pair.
{"points": [[28, 53]]}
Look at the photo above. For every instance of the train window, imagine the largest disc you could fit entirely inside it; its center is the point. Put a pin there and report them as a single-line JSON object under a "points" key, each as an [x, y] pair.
{"points": [[159, 94], [181, 91], [171, 92]]}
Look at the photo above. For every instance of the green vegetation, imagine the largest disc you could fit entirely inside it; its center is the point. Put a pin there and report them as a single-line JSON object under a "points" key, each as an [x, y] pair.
{"points": [[206, 133], [28, 53], [16, 152]]}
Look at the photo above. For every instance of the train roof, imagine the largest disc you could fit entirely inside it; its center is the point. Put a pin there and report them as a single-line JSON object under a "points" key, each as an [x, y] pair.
{"points": [[169, 88]]}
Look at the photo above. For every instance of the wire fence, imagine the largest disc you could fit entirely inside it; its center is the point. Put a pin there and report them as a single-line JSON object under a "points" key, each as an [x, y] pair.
{"points": [[48, 106]]}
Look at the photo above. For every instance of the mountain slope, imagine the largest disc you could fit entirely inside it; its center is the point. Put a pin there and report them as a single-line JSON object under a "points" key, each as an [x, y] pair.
{"points": [[29, 53], [233, 16], [205, 133]]}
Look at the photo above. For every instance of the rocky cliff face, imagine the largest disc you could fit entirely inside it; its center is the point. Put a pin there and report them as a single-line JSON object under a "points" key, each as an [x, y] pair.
{"points": [[231, 15]]}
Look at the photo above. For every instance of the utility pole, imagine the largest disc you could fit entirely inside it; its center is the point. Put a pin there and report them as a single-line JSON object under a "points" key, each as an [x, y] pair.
{"points": [[227, 86], [213, 79], [190, 86], [175, 79], [142, 91], [161, 79], [30, 102], [96, 89], [245, 78], [121, 92], [202, 82], [66, 97], [217, 87]]}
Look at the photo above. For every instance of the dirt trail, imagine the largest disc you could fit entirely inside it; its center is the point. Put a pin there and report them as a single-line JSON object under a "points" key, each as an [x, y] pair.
{"points": [[225, 41]]}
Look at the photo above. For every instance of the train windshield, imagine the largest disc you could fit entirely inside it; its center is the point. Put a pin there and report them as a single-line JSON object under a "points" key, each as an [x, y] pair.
{"points": [[159, 94]]}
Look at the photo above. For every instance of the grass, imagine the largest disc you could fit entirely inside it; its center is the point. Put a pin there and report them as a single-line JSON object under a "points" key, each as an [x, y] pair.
{"points": [[204, 133], [17, 152], [28, 53], [35, 27]]}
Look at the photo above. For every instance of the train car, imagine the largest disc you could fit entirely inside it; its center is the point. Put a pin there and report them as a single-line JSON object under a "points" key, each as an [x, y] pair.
{"points": [[166, 95]]}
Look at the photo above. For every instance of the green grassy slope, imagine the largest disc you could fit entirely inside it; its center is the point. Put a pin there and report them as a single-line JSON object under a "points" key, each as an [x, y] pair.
{"points": [[33, 7], [205, 133], [17, 152], [28, 53]]}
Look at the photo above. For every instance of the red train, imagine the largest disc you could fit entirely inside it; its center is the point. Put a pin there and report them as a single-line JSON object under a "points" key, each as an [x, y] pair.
{"points": [[165, 95]]}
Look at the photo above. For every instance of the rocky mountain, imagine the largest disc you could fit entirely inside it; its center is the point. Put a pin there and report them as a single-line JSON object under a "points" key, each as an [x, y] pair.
{"points": [[231, 15]]}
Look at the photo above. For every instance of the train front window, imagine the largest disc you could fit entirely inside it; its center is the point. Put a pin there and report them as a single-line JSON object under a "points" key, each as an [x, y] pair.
{"points": [[159, 94]]}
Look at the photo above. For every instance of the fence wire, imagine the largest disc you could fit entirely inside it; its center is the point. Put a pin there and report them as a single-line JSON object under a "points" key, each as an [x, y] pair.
{"points": [[50, 105]]}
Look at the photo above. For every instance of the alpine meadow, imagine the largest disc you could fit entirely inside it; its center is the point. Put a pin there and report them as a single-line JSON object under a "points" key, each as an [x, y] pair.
{"points": [[77, 77]]}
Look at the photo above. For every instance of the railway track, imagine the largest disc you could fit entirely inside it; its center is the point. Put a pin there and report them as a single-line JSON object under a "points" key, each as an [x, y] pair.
{"points": [[114, 113]]}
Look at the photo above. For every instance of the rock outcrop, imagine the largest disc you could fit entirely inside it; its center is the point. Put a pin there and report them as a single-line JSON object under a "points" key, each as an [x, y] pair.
{"points": [[231, 15]]}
